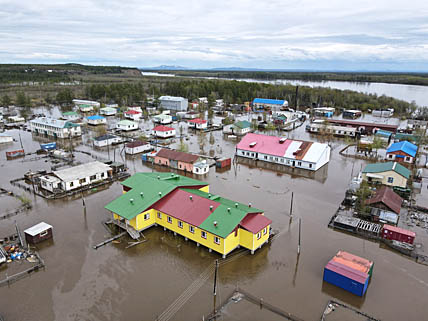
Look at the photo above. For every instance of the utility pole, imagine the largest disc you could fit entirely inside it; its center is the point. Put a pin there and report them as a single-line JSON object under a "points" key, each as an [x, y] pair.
{"points": [[300, 231], [291, 205], [215, 278]]}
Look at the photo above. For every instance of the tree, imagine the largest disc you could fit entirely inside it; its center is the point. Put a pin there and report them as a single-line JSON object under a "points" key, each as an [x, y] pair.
{"points": [[212, 139], [377, 143], [6, 101], [362, 194], [65, 96], [21, 99]]}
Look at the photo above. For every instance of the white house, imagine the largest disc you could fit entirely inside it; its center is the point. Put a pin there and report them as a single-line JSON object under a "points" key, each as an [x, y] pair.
{"points": [[137, 147], [78, 102], [269, 104], [133, 115], [106, 140], [197, 123], [162, 119], [126, 125], [163, 131], [70, 116], [239, 128], [55, 127], [201, 167], [136, 108], [191, 115], [96, 120], [108, 111], [336, 130], [50, 183], [288, 152], [173, 103], [81, 175], [86, 108]]}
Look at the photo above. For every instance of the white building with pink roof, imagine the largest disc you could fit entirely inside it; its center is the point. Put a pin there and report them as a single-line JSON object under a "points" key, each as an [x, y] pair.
{"points": [[288, 152]]}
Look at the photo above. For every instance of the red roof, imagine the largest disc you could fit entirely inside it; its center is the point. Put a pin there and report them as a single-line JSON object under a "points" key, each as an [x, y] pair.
{"points": [[264, 144], [388, 197], [347, 271], [399, 230], [179, 205], [197, 121], [178, 156], [255, 222], [162, 128], [132, 112]]}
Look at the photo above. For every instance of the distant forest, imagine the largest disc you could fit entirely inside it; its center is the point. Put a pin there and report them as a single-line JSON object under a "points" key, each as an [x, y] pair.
{"points": [[393, 78]]}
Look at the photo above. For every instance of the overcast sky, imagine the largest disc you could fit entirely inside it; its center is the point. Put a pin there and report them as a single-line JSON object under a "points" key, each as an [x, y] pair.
{"points": [[283, 34]]}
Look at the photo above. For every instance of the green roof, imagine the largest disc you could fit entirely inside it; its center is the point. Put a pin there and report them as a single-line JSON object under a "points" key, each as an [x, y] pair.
{"points": [[70, 113], [84, 105], [227, 215], [150, 185], [388, 166], [243, 124]]}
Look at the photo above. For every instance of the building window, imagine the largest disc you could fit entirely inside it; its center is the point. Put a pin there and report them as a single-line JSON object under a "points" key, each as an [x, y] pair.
{"points": [[191, 229], [159, 215], [169, 219], [265, 157], [276, 159], [265, 231], [299, 163], [146, 216], [103, 174], [310, 165], [390, 156], [71, 184], [44, 233], [203, 234], [407, 159], [216, 240], [391, 180], [83, 180], [93, 177], [259, 235], [180, 224]]}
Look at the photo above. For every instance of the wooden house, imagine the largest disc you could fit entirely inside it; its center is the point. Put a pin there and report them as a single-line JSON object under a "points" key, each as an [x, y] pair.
{"points": [[402, 152], [186, 207], [389, 173], [38, 233], [175, 159]]}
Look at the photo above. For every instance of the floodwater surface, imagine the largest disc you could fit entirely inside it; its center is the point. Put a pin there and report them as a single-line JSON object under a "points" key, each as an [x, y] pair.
{"points": [[139, 283]]}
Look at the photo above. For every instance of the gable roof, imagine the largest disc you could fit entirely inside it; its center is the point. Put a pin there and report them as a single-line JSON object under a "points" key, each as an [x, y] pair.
{"points": [[176, 155], [127, 122], [70, 113], [197, 121], [243, 124], [135, 143], [162, 128], [95, 117], [132, 112], [388, 166], [255, 222], [388, 197], [104, 137], [404, 146], [383, 133], [145, 192], [81, 171]]}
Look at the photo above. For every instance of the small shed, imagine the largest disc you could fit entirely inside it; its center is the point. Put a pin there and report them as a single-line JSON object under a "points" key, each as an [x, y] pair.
{"points": [[38, 233], [48, 146], [390, 232], [223, 162], [349, 272], [386, 198]]}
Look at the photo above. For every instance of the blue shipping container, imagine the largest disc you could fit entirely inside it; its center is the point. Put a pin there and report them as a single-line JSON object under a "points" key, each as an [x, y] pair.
{"points": [[346, 280], [48, 146]]}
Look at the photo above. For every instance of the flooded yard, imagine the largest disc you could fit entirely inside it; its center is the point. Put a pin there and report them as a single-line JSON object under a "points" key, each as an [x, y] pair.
{"points": [[139, 283]]}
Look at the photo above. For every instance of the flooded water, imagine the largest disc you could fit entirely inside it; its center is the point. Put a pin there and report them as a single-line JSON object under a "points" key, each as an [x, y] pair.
{"points": [[114, 283]]}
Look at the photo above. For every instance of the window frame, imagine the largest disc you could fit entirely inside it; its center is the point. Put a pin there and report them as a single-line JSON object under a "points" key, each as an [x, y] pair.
{"points": [[216, 240], [204, 235], [169, 219]]}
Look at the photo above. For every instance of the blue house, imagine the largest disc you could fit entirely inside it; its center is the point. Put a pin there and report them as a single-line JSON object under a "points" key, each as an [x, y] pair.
{"points": [[96, 120], [402, 152]]}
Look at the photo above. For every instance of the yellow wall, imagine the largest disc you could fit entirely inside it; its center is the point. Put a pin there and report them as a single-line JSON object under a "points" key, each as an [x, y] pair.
{"points": [[398, 179], [231, 242], [246, 239], [205, 189]]}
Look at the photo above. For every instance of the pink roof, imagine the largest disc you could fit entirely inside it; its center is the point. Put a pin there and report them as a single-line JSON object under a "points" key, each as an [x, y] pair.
{"points": [[162, 128], [132, 112], [264, 144], [347, 271], [353, 261], [197, 121], [255, 222], [179, 205], [399, 230]]}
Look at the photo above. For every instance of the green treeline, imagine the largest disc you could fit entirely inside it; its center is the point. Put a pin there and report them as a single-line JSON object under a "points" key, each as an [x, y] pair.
{"points": [[239, 92], [394, 78]]}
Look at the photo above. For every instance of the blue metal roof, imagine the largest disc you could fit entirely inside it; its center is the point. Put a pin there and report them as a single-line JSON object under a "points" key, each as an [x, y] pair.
{"points": [[95, 117], [383, 133], [405, 146], [268, 101]]}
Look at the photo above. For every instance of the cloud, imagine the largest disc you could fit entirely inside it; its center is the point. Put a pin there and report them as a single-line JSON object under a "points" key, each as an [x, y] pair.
{"points": [[243, 33]]}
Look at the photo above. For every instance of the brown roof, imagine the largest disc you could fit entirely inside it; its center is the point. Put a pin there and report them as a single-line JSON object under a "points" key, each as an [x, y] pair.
{"points": [[388, 197], [178, 156], [135, 143]]}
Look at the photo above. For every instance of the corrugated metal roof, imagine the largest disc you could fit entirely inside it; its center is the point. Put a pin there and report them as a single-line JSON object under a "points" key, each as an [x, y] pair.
{"points": [[178, 156], [269, 101], [405, 146], [388, 197], [353, 261], [197, 121], [127, 122], [37, 229], [95, 117], [243, 124], [388, 166], [132, 112], [135, 143], [255, 222], [81, 171], [171, 98], [179, 205], [383, 133], [346, 271], [104, 137]]}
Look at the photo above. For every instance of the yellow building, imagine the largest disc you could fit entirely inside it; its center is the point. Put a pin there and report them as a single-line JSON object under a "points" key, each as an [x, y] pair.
{"points": [[186, 207], [389, 173]]}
